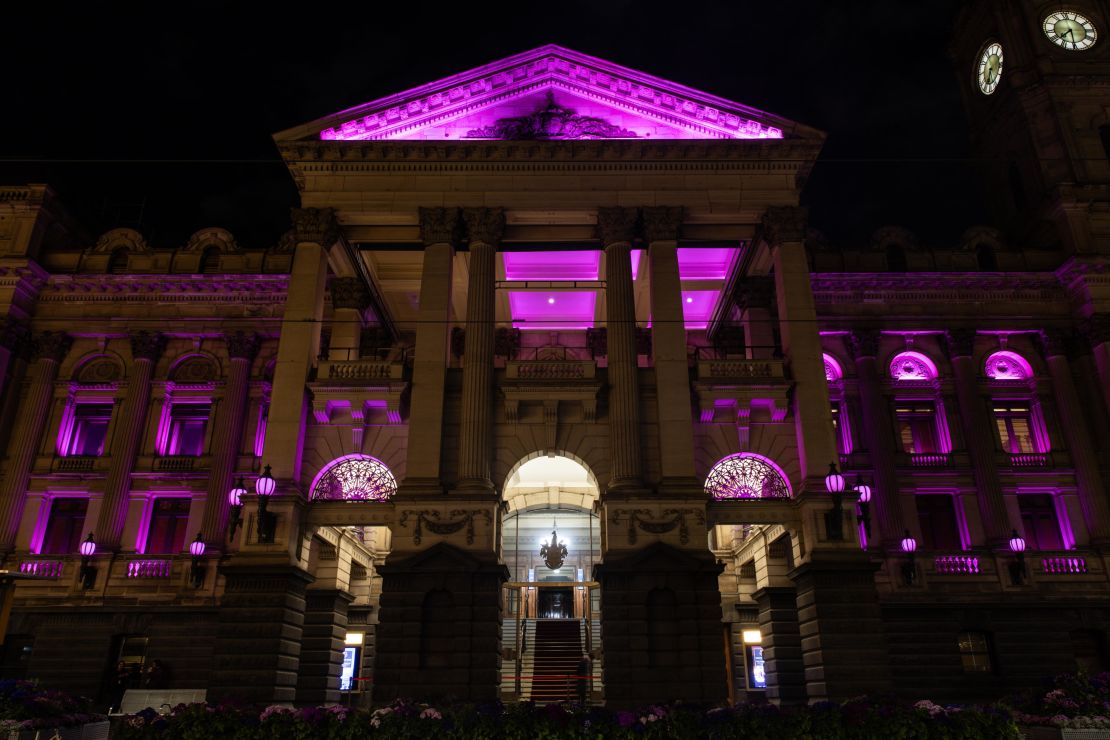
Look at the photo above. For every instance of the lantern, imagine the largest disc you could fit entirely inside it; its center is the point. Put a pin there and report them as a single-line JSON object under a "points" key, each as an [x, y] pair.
{"points": [[909, 544], [1017, 544], [88, 547], [265, 484], [834, 481], [197, 546]]}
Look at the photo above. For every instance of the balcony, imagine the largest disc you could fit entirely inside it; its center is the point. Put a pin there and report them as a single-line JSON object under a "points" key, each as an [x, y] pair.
{"points": [[550, 370], [740, 370], [956, 565], [42, 568], [75, 464], [360, 371], [1057, 565], [176, 464], [1029, 459], [928, 459], [150, 568]]}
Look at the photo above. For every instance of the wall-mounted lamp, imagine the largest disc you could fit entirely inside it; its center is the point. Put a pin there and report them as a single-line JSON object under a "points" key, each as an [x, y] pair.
{"points": [[909, 568], [834, 520], [235, 498], [1017, 568], [864, 516], [88, 570], [196, 571], [267, 522]]}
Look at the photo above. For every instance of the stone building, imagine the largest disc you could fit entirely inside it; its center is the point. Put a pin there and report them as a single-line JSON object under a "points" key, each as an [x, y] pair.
{"points": [[557, 301]]}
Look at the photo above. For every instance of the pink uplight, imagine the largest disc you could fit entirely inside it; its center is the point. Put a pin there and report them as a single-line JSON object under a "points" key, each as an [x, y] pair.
{"points": [[705, 263], [566, 265], [697, 307], [570, 309]]}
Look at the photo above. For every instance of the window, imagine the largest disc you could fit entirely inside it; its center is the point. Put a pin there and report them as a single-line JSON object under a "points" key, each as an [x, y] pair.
{"points": [[917, 426], [168, 521], [1038, 518], [975, 652], [188, 423], [65, 527], [1015, 426], [90, 429], [936, 516], [837, 433]]}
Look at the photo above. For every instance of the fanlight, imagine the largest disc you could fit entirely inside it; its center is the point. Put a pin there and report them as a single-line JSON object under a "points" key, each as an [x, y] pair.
{"points": [[744, 476], [355, 478]]}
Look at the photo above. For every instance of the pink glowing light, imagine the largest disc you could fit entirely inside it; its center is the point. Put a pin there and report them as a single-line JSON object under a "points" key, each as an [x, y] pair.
{"points": [[197, 547], [571, 310], [88, 547], [912, 366], [1007, 365], [833, 371], [697, 307], [746, 475], [705, 263], [635, 255], [354, 478], [566, 265]]}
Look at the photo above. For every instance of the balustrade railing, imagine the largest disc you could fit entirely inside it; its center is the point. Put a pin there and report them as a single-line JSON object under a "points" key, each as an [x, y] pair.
{"points": [[550, 370], [76, 463], [364, 369], [741, 369], [1063, 564], [956, 564], [42, 568], [928, 459], [148, 568], [1029, 459], [175, 463]]}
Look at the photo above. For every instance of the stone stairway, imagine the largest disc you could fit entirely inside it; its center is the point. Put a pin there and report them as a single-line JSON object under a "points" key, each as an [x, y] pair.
{"points": [[557, 650]]}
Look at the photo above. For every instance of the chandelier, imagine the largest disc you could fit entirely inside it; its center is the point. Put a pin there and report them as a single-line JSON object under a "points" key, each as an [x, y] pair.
{"points": [[554, 552]]}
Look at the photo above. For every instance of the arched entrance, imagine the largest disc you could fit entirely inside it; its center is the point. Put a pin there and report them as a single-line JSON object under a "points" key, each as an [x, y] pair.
{"points": [[551, 539]]}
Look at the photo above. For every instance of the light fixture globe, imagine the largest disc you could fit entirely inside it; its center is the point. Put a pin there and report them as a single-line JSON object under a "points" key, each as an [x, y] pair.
{"points": [[197, 546], [1017, 543], [235, 495], [909, 544], [863, 490], [265, 484], [834, 481], [88, 547]]}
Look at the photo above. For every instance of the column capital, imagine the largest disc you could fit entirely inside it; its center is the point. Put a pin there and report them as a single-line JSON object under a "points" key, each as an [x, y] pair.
{"points": [[349, 292], [662, 223], [864, 343], [616, 225], [439, 225], [960, 341], [317, 225], [51, 345], [1055, 342], [484, 225], [785, 224], [242, 345], [1097, 329], [147, 345]]}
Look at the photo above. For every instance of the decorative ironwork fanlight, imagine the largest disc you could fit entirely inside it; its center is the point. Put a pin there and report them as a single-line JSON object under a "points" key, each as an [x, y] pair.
{"points": [[355, 478], [554, 552]]}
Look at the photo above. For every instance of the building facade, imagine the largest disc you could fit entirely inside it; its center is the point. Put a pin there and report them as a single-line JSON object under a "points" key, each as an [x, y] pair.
{"points": [[556, 291]]}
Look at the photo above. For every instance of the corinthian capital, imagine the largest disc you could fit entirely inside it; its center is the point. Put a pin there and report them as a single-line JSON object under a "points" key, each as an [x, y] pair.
{"points": [[662, 223], [349, 292], [147, 345], [616, 225], [439, 225], [51, 345], [785, 224], [242, 345], [317, 225], [484, 225]]}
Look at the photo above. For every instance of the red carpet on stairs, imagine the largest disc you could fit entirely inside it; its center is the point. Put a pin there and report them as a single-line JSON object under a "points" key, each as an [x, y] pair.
{"points": [[558, 650]]}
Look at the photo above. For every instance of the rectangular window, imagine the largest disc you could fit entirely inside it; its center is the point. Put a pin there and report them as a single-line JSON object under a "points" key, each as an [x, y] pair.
{"points": [[936, 515], [65, 526], [168, 522], [188, 423], [1038, 517], [835, 409], [917, 426], [975, 652], [1015, 426], [90, 429]]}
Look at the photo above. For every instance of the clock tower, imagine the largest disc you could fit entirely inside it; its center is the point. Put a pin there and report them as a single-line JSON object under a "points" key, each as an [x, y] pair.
{"points": [[1035, 77]]}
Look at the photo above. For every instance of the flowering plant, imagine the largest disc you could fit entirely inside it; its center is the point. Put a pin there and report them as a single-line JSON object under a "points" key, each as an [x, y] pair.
{"points": [[24, 705]]}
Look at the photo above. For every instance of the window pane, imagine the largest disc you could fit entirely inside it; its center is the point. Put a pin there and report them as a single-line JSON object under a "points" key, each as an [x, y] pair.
{"points": [[90, 429], [1038, 517], [168, 522], [936, 515], [189, 422], [65, 525], [974, 652], [1022, 438]]}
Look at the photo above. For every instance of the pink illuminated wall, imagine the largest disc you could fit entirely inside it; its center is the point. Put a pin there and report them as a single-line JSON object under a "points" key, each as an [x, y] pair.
{"points": [[697, 307], [552, 309], [705, 263], [566, 265]]}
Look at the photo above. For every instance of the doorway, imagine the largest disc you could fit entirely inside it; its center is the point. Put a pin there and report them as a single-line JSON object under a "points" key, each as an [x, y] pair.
{"points": [[556, 603]]}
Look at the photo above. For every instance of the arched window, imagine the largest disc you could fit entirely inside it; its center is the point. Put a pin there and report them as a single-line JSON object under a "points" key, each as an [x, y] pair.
{"points": [[1005, 365], [896, 258], [354, 478], [912, 366], [746, 475], [1018, 417], [210, 261], [986, 258], [838, 406], [919, 409]]}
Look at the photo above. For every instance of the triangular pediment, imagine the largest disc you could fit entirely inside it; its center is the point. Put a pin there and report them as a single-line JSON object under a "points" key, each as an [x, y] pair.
{"points": [[549, 93]]}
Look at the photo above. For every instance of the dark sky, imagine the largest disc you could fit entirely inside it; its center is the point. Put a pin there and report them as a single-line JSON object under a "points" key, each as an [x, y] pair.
{"points": [[169, 118]]}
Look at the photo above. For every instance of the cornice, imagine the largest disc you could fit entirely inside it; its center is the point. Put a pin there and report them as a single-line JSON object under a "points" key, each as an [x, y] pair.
{"points": [[839, 288], [157, 288]]}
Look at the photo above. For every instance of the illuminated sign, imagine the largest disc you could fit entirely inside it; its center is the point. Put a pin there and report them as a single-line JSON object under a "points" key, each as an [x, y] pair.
{"points": [[350, 668]]}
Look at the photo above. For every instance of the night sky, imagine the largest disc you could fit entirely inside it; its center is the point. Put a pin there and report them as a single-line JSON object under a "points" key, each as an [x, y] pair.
{"points": [[166, 125]]}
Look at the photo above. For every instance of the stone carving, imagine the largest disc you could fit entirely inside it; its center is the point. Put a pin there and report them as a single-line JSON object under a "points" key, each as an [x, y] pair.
{"points": [[977, 235], [147, 345], [316, 225], [616, 225], [662, 223], [672, 518], [745, 476], [484, 225], [51, 345], [960, 342], [349, 292], [1005, 366], [194, 370], [121, 238], [286, 243], [242, 345], [910, 366], [864, 343], [552, 121], [783, 224], [99, 371], [357, 478], [433, 521], [553, 553], [439, 225], [212, 237]]}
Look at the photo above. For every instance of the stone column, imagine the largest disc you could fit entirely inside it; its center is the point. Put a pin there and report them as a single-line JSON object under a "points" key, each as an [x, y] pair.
{"points": [[484, 226], [146, 348], [49, 349], [784, 230], [616, 227], [325, 628], [439, 228], [349, 300], [782, 645], [1092, 491], [978, 433], [1098, 332], [227, 436], [668, 340], [879, 433], [315, 230]]}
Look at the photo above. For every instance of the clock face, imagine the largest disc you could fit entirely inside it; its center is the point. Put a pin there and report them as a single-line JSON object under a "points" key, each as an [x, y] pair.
{"points": [[989, 71], [1069, 30]]}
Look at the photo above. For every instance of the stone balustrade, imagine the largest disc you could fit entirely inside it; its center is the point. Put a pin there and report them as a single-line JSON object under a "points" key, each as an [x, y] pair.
{"points": [[42, 568], [741, 369], [1063, 565], [956, 565], [360, 370], [550, 370], [149, 568]]}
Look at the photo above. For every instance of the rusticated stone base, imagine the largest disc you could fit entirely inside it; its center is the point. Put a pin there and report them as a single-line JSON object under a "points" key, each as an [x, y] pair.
{"points": [[782, 645], [439, 630], [325, 627], [843, 642], [661, 618], [258, 638]]}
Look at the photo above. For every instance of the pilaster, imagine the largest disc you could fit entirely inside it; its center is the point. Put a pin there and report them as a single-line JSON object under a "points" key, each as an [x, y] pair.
{"points": [[782, 645], [322, 641]]}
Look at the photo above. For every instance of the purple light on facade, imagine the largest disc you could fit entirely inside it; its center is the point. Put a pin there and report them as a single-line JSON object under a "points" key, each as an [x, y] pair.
{"points": [[197, 547], [833, 371], [909, 544], [260, 430], [564, 265], [88, 547], [912, 366], [708, 263], [265, 484], [1006, 365], [1017, 543], [354, 478], [746, 475], [635, 256], [571, 310], [697, 307]]}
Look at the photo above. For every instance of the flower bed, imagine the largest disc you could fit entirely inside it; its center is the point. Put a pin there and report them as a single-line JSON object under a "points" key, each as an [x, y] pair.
{"points": [[27, 708], [1071, 705], [862, 718]]}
